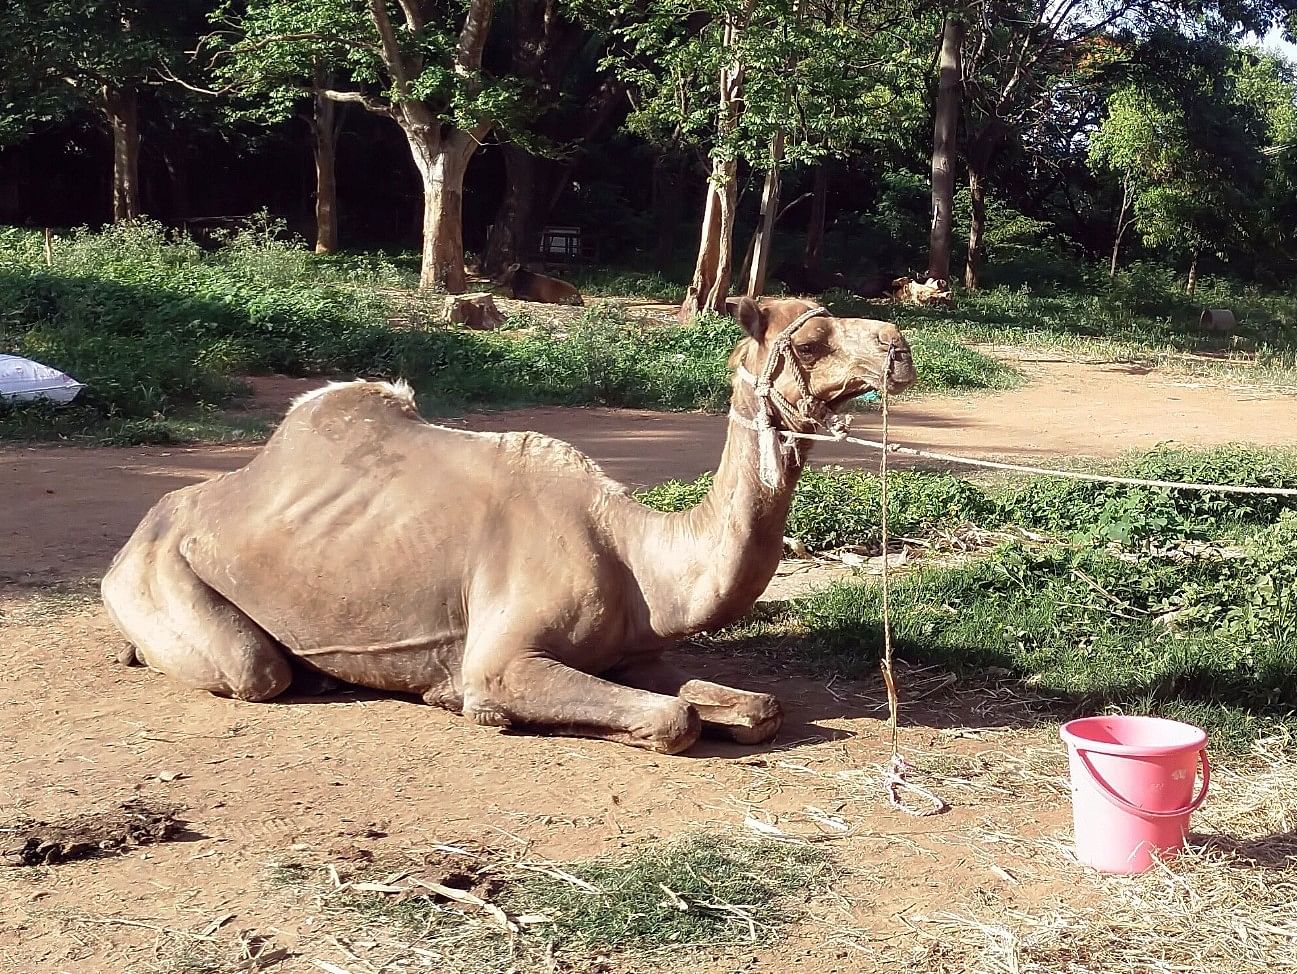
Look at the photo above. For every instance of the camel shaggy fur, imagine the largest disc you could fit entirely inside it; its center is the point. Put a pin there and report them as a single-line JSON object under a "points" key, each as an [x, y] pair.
{"points": [[501, 576]]}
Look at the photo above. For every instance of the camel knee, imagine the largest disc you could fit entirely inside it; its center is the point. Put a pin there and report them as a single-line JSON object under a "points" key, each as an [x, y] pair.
{"points": [[673, 727], [258, 687]]}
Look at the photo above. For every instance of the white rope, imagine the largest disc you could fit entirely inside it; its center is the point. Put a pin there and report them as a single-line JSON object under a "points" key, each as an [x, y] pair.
{"points": [[1045, 471], [771, 447]]}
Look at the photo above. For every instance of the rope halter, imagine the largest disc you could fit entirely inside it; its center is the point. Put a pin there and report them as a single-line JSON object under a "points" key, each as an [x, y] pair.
{"points": [[778, 421]]}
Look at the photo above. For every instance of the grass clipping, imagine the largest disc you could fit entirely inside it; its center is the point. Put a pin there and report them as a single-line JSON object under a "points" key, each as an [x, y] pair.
{"points": [[466, 909], [1227, 903]]}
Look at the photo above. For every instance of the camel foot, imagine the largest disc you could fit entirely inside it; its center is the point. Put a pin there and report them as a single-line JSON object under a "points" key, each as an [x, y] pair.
{"points": [[485, 714], [446, 698], [128, 655], [738, 715], [677, 732], [759, 733]]}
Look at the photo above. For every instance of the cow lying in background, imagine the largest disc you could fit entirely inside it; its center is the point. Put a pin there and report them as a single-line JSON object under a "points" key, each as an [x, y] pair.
{"points": [[525, 285]]}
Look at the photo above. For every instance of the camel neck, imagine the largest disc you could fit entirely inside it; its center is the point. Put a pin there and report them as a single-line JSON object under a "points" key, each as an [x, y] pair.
{"points": [[718, 558]]}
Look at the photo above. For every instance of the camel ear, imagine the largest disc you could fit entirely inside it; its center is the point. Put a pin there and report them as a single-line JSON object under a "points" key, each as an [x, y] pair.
{"points": [[749, 315]]}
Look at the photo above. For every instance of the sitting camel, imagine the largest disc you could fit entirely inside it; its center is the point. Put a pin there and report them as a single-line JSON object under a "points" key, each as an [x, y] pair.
{"points": [[501, 576]]}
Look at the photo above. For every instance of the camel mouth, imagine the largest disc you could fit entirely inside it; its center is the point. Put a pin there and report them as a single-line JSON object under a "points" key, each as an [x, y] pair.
{"points": [[839, 402]]}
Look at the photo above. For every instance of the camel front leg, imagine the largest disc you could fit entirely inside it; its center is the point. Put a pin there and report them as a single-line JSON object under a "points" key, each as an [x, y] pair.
{"points": [[539, 693], [739, 715]]}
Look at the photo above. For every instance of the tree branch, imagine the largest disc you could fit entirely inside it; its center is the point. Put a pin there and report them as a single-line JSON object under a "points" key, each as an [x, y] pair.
{"points": [[472, 39], [413, 15], [168, 75], [359, 98], [392, 56], [248, 46]]}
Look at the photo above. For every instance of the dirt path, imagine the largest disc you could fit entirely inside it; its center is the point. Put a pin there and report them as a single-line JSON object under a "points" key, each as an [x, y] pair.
{"points": [[65, 511]]}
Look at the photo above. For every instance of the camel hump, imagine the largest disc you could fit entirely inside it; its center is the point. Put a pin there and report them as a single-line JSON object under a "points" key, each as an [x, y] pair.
{"points": [[349, 395]]}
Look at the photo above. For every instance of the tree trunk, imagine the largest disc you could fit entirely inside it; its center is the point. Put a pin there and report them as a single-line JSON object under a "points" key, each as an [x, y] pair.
{"points": [[668, 175], [122, 107], [711, 281], [976, 226], [945, 125], [442, 164], [1191, 286], [511, 235], [1122, 224], [765, 228], [819, 211], [324, 129]]}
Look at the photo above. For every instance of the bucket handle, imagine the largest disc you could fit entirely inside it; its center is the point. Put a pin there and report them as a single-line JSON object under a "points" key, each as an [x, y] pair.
{"points": [[1115, 799]]}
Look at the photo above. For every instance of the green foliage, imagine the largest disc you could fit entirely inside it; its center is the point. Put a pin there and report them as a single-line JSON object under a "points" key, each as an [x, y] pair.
{"points": [[634, 914], [836, 507], [1173, 602], [274, 52], [150, 324], [1209, 638], [59, 55], [943, 364], [828, 83], [627, 283]]}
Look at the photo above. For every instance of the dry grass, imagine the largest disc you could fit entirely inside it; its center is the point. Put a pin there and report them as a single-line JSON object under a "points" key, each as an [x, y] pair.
{"points": [[1228, 903]]}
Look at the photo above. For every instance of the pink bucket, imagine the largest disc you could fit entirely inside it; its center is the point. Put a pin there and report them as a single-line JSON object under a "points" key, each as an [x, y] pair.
{"points": [[1132, 788]]}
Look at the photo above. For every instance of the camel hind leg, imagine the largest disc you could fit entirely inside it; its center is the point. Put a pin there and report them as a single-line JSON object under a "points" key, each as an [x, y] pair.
{"points": [[182, 627]]}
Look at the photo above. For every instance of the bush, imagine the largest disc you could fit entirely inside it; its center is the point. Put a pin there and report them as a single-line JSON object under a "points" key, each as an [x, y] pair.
{"points": [[835, 507], [1208, 639], [150, 323], [147, 321]]}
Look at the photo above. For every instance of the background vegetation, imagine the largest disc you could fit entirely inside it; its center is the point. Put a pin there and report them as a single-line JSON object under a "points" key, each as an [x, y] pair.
{"points": [[1180, 603]]}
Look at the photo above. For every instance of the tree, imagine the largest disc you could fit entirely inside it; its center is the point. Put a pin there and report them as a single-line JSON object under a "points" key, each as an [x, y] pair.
{"points": [[278, 59], [944, 130], [418, 63], [1017, 54], [775, 83], [1138, 142], [569, 102], [1185, 150], [64, 56]]}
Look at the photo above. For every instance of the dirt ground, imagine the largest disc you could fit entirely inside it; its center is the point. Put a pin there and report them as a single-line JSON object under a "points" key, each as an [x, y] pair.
{"points": [[357, 773]]}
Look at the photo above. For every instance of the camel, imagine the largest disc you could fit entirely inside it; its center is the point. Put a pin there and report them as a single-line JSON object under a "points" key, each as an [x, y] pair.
{"points": [[500, 576]]}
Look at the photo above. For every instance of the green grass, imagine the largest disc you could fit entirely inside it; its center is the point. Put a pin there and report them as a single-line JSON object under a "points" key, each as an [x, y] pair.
{"points": [[835, 507], [1177, 603], [635, 915], [1206, 639], [618, 282], [82, 425], [1143, 315], [157, 329]]}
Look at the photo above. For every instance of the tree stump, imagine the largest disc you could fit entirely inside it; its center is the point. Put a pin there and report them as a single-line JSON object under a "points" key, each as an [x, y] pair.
{"points": [[1218, 320], [476, 311]]}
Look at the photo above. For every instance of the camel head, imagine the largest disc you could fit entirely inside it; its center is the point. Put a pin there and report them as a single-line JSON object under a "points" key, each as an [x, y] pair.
{"points": [[815, 363]]}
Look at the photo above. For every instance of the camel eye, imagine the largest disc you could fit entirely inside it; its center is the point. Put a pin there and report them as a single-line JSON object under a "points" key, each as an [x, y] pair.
{"points": [[812, 349]]}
